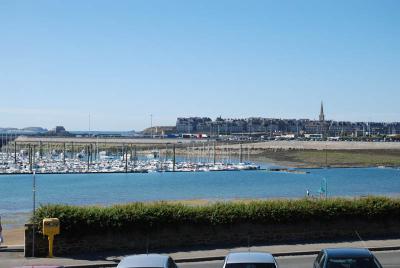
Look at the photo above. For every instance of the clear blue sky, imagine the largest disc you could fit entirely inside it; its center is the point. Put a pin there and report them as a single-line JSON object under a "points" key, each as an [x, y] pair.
{"points": [[121, 61]]}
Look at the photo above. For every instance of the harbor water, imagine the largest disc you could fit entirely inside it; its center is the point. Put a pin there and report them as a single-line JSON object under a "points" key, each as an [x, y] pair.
{"points": [[107, 189]]}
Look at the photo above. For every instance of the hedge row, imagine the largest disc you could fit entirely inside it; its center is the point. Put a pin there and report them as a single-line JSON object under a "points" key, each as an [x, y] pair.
{"points": [[147, 216]]}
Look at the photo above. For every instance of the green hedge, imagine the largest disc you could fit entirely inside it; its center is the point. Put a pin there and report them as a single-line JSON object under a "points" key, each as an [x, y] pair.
{"points": [[147, 216]]}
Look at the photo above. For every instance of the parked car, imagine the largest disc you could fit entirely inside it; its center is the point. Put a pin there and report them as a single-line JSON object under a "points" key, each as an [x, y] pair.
{"points": [[39, 266], [147, 261], [346, 258], [250, 260]]}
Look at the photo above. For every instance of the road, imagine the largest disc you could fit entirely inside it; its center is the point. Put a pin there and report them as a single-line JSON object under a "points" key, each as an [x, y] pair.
{"points": [[389, 259], [108, 140]]}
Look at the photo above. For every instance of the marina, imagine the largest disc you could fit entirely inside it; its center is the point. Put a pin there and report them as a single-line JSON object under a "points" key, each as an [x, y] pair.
{"points": [[22, 163], [56, 158]]}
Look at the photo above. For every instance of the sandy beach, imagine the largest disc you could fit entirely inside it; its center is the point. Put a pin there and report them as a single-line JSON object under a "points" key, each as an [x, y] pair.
{"points": [[318, 145]]}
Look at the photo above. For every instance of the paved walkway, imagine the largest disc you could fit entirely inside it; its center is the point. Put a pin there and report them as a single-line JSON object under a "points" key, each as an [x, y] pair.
{"points": [[13, 256]]}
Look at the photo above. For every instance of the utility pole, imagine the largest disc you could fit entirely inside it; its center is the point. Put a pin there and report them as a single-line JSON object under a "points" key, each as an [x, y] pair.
{"points": [[33, 213]]}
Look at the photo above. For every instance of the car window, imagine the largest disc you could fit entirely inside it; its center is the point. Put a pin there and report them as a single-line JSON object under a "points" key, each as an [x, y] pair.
{"points": [[250, 265], [352, 263]]}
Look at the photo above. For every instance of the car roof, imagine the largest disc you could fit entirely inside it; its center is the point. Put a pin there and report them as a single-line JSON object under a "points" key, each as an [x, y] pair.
{"points": [[250, 257], [39, 266], [144, 260], [347, 252]]}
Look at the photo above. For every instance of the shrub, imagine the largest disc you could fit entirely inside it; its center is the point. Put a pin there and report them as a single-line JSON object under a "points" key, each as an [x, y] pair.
{"points": [[147, 216]]}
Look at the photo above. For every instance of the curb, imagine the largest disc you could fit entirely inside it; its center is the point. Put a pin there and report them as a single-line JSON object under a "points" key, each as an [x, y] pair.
{"points": [[388, 248], [12, 249], [218, 258]]}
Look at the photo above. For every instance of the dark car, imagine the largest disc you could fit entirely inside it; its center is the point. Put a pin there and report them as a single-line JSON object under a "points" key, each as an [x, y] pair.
{"points": [[346, 258]]}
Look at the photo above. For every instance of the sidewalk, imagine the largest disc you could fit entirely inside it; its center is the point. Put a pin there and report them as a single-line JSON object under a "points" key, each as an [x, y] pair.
{"points": [[13, 256]]}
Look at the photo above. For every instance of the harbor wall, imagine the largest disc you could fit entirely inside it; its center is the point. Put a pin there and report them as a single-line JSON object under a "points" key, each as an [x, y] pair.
{"points": [[205, 235]]}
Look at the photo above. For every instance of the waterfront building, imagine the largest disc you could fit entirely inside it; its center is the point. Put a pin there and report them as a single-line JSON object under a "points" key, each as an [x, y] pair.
{"points": [[277, 127], [190, 124]]}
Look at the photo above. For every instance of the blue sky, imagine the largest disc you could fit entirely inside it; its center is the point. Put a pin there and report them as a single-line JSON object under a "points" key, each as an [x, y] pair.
{"points": [[121, 61]]}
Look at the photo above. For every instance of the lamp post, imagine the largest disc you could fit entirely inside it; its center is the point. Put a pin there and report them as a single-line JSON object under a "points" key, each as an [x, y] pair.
{"points": [[33, 212]]}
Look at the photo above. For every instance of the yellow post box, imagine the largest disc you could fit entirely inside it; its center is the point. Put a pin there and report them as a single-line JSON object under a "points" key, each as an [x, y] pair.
{"points": [[51, 227]]}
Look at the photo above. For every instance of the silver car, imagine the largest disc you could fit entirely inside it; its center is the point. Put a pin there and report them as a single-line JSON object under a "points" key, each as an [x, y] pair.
{"points": [[147, 261], [250, 260]]}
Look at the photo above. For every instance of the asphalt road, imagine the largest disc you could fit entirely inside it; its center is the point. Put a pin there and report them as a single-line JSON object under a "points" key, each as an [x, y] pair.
{"points": [[389, 259]]}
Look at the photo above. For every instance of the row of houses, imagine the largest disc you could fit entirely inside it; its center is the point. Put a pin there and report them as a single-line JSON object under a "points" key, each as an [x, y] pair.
{"points": [[274, 126]]}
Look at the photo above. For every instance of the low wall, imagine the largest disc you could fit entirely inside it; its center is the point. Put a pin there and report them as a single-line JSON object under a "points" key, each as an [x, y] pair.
{"points": [[170, 237]]}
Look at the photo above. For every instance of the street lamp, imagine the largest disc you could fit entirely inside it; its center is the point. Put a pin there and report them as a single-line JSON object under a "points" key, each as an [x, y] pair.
{"points": [[33, 212]]}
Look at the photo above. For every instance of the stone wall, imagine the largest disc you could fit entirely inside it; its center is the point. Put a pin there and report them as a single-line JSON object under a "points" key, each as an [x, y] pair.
{"points": [[171, 237]]}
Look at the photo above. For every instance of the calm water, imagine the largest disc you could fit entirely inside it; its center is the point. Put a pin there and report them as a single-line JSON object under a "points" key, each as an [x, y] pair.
{"points": [[16, 190]]}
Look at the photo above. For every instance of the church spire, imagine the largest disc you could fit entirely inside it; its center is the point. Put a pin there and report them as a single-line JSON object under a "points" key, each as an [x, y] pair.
{"points": [[321, 113]]}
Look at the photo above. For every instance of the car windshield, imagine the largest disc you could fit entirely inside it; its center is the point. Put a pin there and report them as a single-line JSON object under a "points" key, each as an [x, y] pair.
{"points": [[250, 265], [352, 263]]}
